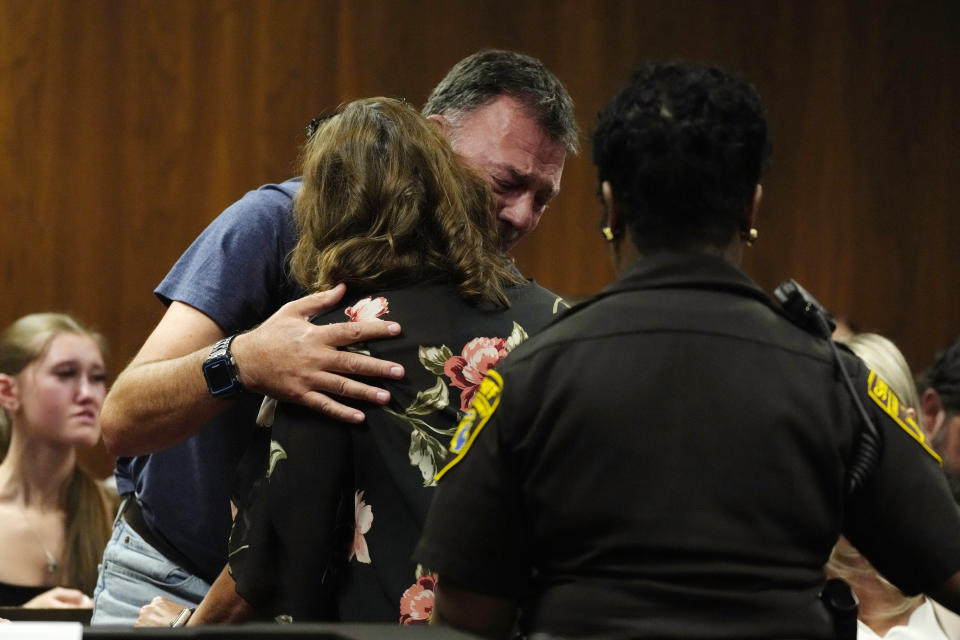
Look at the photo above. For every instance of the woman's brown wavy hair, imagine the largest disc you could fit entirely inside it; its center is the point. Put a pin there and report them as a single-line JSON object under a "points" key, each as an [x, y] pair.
{"points": [[385, 203]]}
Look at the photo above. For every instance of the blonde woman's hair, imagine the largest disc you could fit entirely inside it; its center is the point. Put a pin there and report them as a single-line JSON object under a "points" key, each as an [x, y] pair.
{"points": [[883, 356], [385, 203], [86, 503]]}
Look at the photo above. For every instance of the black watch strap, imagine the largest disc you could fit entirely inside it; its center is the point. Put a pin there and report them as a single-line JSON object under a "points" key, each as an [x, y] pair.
{"points": [[220, 370]]}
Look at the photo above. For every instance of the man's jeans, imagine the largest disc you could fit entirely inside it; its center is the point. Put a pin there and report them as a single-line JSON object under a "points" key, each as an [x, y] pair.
{"points": [[133, 573]]}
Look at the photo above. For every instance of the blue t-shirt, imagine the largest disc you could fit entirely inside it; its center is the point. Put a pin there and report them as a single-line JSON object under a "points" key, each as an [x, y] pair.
{"points": [[235, 272]]}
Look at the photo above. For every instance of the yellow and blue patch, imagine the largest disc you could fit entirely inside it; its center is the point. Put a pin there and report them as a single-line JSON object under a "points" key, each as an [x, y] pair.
{"points": [[883, 395], [485, 402]]}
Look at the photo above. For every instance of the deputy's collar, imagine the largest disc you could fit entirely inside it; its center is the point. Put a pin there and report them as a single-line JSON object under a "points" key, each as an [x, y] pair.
{"points": [[683, 270]]}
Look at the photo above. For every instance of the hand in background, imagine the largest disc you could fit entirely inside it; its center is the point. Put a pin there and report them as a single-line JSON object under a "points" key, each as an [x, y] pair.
{"points": [[160, 612], [60, 598]]}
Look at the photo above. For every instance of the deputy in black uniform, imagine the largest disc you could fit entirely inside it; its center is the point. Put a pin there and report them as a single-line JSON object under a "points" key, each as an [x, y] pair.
{"points": [[673, 458]]}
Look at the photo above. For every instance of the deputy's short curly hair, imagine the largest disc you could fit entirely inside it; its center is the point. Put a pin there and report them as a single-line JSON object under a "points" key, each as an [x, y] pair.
{"points": [[683, 146]]}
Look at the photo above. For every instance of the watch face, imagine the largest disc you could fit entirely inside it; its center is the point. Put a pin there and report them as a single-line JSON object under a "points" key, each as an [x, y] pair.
{"points": [[219, 377]]}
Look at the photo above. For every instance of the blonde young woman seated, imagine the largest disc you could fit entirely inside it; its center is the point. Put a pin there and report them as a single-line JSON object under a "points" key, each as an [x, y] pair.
{"points": [[884, 611], [54, 517]]}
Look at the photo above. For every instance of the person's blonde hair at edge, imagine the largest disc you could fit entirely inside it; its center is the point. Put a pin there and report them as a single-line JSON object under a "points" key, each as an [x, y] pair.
{"points": [[87, 529], [386, 203], [881, 355]]}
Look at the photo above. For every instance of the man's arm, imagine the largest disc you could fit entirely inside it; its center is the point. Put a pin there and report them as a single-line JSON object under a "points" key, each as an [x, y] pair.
{"points": [[222, 604], [161, 398], [486, 616]]}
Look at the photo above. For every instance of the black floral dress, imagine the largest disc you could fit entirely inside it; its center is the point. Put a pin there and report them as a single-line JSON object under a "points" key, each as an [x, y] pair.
{"points": [[331, 513]]}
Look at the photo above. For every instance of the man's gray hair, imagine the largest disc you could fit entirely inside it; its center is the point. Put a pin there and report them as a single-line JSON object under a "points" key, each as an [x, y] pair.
{"points": [[486, 75]]}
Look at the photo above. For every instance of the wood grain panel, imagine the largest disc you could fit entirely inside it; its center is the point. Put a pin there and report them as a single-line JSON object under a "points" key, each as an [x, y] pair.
{"points": [[127, 125]]}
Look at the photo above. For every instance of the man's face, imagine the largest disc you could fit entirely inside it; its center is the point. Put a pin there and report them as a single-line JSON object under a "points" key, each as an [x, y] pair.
{"points": [[946, 442], [517, 159]]}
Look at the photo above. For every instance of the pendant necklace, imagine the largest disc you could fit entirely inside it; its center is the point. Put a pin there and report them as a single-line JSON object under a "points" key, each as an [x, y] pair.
{"points": [[52, 564]]}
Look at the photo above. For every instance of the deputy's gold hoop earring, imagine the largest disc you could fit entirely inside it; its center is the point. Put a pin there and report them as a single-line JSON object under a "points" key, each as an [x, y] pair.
{"points": [[607, 234], [752, 236]]}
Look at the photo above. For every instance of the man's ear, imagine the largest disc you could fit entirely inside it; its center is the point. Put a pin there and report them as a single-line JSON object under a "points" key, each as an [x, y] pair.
{"points": [[9, 394], [440, 121], [931, 412]]}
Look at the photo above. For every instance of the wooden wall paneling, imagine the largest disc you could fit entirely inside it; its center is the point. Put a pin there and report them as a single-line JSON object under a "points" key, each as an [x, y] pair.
{"points": [[127, 125]]}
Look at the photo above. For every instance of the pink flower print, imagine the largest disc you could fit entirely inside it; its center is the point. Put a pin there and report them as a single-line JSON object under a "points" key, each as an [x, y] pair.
{"points": [[467, 370], [416, 603], [368, 309], [363, 514]]}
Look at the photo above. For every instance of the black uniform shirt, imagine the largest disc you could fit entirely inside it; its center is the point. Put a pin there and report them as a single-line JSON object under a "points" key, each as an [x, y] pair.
{"points": [[669, 460]]}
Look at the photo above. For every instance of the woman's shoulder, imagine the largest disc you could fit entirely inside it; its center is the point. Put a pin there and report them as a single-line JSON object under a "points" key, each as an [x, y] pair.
{"points": [[949, 621], [530, 294]]}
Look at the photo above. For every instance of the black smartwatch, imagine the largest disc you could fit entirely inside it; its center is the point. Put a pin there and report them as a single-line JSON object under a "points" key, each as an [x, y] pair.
{"points": [[220, 370]]}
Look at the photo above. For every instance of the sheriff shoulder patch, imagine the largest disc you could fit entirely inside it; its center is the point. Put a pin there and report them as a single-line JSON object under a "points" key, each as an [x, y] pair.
{"points": [[884, 396], [485, 402]]}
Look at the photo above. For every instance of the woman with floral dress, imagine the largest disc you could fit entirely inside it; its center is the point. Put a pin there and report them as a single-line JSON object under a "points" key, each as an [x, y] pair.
{"points": [[327, 531]]}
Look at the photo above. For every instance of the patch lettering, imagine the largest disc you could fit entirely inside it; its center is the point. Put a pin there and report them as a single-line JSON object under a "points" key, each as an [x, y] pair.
{"points": [[485, 402], [886, 399]]}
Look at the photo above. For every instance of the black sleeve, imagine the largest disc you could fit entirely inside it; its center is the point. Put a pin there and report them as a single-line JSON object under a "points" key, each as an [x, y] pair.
{"points": [[904, 518], [474, 532], [291, 533]]}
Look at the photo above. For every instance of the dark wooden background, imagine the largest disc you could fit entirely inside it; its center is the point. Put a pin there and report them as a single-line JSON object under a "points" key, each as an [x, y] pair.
{"points": [[127, 125]]}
